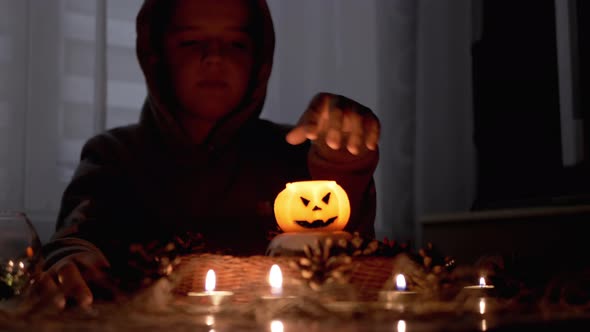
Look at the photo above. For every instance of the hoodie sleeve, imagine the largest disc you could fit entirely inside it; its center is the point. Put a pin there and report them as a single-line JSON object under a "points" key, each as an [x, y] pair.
{"points": [[355, 175], [86, 218]]}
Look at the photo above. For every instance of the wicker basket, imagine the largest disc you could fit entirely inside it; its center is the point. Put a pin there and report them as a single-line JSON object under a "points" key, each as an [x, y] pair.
{"points": [[247, 277]]}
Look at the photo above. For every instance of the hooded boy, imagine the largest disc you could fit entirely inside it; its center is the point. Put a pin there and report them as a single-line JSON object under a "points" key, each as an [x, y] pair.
{"points": [[200, 159]]}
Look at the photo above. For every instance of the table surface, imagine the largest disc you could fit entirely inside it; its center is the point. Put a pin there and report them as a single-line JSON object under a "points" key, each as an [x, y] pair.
{"points": [[157, 310]]}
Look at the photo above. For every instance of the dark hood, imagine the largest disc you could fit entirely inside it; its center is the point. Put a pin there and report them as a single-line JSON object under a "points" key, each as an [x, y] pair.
{"points": [[157, 111]]}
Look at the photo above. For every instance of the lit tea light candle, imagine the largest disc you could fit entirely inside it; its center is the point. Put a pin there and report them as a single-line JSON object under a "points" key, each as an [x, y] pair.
{"points": [[400, 294], [210, 295], [400, 282], [275, 279], [401, 326], [481, 289], [210, 281], [482, 284], [277, 326]]}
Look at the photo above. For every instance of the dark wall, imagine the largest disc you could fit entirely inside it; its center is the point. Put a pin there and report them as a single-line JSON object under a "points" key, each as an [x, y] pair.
{"points": [[516, 102], [584, 64]]}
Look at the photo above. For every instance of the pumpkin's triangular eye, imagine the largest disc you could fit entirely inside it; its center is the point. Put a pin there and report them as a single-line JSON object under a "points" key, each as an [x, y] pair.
{"points": [[326, 198], [305, 201]]}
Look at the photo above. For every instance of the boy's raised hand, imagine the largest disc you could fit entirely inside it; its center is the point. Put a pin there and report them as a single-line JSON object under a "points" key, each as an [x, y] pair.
{"points": [[340, 121]]}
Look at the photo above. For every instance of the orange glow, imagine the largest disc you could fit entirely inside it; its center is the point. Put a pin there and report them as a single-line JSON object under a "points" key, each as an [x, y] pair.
{"points": [[309, 206]]}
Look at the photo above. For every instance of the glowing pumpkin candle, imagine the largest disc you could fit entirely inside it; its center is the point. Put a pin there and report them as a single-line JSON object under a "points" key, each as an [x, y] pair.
{"points": [[308, 212], [309, 206]]}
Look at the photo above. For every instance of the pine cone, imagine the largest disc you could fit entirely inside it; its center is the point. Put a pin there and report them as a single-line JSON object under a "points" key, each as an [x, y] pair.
{"points": [[148, 262], [433, 261], [322, 265], [357, 246], [392, 248]]}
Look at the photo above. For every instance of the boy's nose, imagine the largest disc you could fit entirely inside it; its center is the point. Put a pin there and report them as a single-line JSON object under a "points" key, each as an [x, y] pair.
{"points": [[213, 52]]}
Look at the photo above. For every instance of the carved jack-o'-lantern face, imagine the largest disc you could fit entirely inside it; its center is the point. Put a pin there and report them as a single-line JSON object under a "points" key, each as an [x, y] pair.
{"points": [[312, 206]]}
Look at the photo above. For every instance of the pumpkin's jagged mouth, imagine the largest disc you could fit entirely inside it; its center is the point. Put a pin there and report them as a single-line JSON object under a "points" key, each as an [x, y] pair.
{"points": [[316, 223]]}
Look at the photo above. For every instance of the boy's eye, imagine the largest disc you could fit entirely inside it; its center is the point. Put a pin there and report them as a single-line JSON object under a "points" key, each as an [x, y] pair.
{"points": [[192, 42], [239, 45]]}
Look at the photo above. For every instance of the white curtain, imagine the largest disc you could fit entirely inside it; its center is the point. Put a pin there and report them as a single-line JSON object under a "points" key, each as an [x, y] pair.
{"points": [[408, 60], [48, 93]]}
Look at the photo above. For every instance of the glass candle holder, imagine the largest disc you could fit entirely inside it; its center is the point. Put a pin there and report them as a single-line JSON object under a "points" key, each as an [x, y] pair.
{"points": [[20, 253]]}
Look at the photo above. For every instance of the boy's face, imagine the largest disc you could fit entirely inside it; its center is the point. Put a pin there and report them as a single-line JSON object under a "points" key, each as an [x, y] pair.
{"points": [[209, 55]]}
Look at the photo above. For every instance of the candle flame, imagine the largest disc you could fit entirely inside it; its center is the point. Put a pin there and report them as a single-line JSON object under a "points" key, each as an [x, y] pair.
{"points": [[401, 326], [30, 252], [400, 282], [484, 325], [21, 265], [482, 306], [10, 263], [275, 277], [210, 320], [277, 326], [482, 282], [210, 281]]}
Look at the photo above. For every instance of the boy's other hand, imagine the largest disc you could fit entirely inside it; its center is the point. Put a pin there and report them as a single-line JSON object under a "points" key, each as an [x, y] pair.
{"points": [[340, 121], [70, 280]]}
